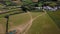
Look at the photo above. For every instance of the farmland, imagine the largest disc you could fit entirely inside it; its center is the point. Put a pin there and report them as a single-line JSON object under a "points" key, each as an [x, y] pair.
{"points": [[55, 16], [30, 17], [43, 25], [18, 19]]}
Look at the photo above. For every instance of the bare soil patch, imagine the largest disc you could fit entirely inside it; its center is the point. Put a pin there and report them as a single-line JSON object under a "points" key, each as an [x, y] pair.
{"points": [[2, 31]]}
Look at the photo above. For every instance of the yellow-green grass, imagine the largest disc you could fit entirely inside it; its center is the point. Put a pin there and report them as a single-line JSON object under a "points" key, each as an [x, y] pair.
{"points": [[43, 25], [19, 19], [34, 14], [55, 16], [15, 20], [3, 25], [10, 12]]}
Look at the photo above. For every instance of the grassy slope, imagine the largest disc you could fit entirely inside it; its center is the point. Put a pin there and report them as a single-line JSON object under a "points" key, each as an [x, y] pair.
{"points": [[55, 16], [43, 25]]}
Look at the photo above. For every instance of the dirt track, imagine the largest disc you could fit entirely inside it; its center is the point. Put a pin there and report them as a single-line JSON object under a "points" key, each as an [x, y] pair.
{"points": [[1, 29], [31, 21], [23, 28]]}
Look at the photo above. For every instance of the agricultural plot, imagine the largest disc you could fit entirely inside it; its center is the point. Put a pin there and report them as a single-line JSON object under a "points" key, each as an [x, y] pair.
{"points": [[14, 20], [34, 14], [55, 16], [35, 21], [2, 25], [18, 19], [43, 25]]}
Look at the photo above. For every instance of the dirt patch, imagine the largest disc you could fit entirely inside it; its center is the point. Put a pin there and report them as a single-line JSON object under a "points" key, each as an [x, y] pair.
{"points": [[23, 28], [31, 21], [11, 24], [1, 29]]}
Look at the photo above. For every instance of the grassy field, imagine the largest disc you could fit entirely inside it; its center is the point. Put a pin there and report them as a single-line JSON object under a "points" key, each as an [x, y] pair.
{"points": [[14, 20], [55, 16], [34, 14], [2, 25], [22, 18], [43, 25], [17, 19]]}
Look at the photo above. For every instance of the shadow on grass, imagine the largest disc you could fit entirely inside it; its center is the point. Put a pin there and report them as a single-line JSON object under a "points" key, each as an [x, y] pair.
{"points": [[55, 18]]}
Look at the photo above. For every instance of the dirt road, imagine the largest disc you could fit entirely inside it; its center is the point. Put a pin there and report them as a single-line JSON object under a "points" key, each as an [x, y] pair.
{"points": [[31, 21], [22, 29], [1, 29]]}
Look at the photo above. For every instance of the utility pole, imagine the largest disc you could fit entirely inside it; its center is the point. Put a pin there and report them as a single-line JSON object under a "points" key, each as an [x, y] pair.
{"points": [[7, 17]]}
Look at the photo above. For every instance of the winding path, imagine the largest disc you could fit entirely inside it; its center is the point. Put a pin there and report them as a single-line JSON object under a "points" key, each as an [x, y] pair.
{"points": [[31, 21], [22, 29]]}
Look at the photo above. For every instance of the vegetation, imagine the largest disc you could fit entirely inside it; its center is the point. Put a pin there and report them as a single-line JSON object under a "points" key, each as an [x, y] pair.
{"points": [[19, 19], [10, 11], [55, 16], [15, 19], [43, 25], [34, 14]]}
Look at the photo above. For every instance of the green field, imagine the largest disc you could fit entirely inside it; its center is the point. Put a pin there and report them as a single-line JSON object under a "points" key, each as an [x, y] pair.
{"points": [[43, 25], [45, 22], [55, 16], [16, 19], [19, 18], [34, 14]]}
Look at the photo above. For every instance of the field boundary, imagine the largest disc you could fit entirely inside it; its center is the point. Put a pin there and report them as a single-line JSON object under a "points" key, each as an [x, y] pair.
{"points": [[23, 28], [32, 22]]}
